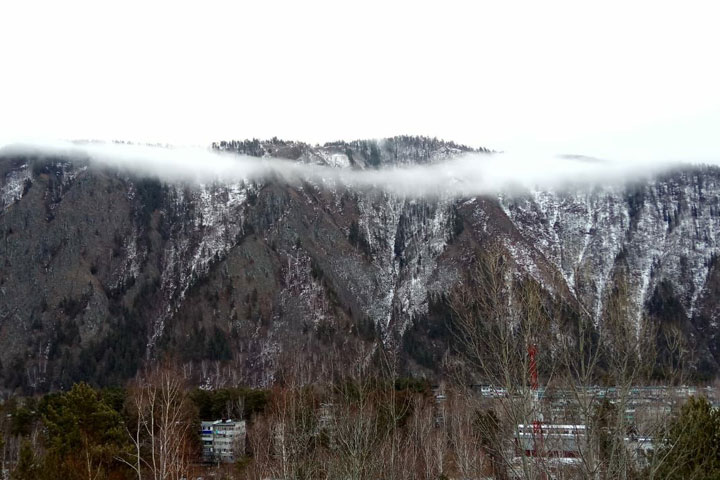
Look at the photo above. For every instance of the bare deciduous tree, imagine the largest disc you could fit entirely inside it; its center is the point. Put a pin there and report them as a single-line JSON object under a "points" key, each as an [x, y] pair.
{"points": [[161, 434], [500, 312], [498, 316]]}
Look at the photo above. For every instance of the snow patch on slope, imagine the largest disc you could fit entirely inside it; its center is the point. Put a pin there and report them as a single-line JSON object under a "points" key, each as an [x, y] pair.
{"points": [[662, 229], [14, 186]]}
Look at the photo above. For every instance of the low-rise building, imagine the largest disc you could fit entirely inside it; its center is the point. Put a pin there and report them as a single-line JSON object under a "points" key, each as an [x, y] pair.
{"points": [[223, 441]]}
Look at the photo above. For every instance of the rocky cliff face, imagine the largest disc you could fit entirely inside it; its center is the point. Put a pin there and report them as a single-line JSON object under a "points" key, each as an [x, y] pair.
{"points": [[102, 270]]}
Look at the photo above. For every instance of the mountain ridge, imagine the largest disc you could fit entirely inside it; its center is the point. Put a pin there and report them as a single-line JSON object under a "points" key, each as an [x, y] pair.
{"points": [[105, 270]]}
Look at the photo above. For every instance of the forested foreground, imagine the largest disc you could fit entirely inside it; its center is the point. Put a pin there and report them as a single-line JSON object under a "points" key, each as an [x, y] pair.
{"points": [[358, 427], [561, 397]]}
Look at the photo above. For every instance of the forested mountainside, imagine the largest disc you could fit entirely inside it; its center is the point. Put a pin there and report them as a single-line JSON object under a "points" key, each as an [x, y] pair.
{"points": [[102, 271]]}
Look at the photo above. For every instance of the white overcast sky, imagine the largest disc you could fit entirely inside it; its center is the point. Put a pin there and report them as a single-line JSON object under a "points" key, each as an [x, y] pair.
{"points": [[598, 78]]}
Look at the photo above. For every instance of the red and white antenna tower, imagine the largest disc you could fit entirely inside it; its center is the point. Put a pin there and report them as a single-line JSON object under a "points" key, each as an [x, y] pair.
{"points": [[537, 416]]}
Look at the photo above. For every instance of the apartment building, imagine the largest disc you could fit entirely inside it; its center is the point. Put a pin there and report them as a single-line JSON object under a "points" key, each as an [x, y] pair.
{"points": [[223, 441]]}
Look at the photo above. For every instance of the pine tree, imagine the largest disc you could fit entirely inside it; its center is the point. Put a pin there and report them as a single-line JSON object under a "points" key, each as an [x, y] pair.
{"points": [[691, 445], [26, 468], [82, 431]]}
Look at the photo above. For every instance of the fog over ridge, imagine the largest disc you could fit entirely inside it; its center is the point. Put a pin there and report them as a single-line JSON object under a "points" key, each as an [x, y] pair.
{"points": [[467, 174]]}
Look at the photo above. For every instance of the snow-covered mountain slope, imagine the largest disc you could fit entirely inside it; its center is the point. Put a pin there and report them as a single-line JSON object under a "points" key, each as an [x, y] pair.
{"points": [[102, 270]]}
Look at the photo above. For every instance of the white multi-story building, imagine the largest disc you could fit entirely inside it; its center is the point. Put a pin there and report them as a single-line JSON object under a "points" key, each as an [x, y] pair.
{"points": [[223, 440]]}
